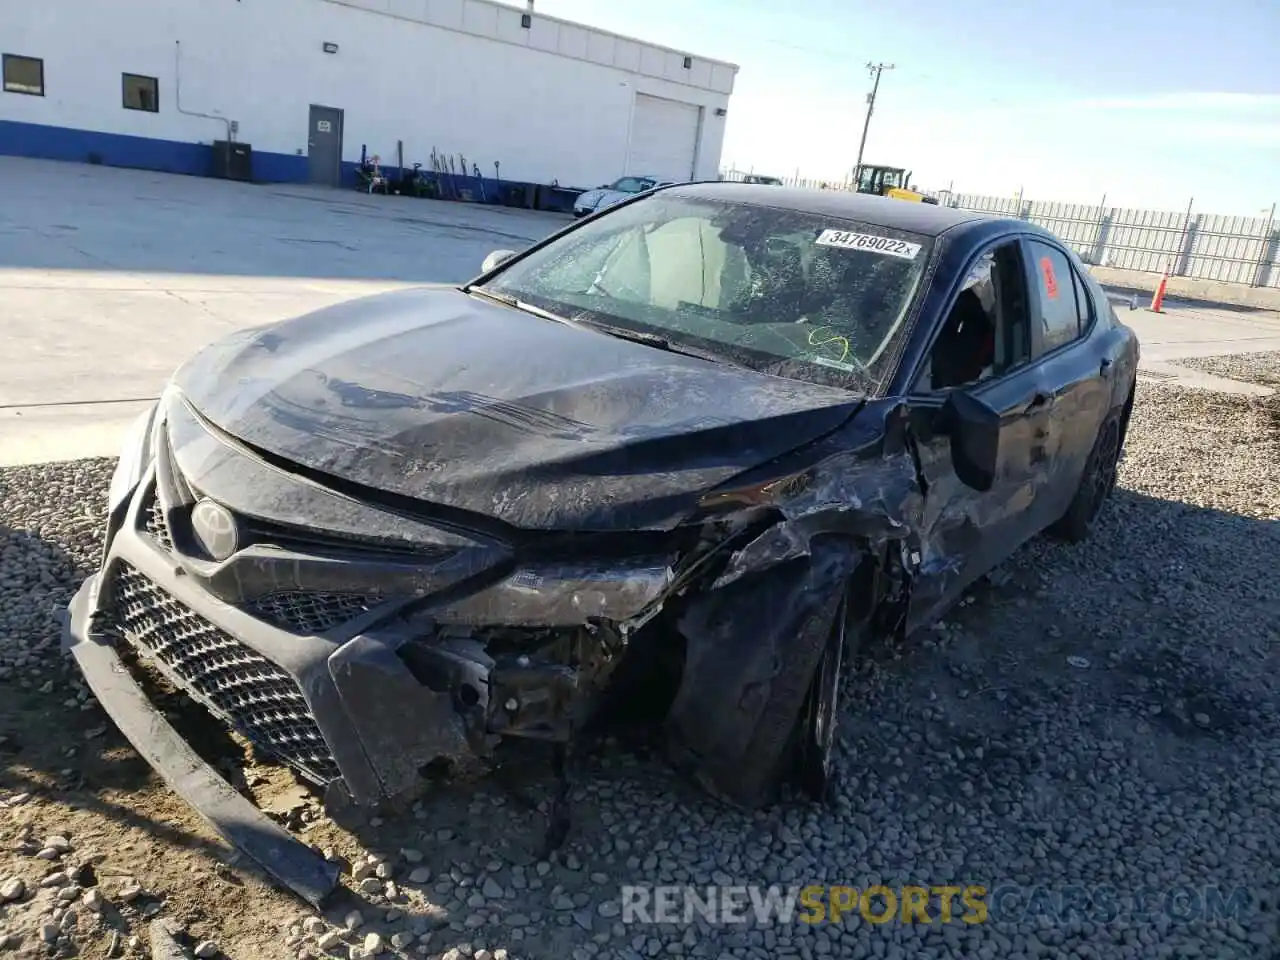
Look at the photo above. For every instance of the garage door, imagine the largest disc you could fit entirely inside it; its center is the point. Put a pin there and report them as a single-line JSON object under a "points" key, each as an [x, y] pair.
{"points": [[664, 138]]}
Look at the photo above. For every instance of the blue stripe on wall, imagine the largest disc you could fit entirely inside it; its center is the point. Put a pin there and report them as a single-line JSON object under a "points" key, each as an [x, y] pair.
{"points": [[144, 153], [44, 142]]}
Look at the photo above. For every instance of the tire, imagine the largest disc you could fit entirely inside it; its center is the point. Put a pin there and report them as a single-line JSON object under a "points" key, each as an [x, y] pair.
{"points": [[770, 758], [1096, 483], [815, 733]]}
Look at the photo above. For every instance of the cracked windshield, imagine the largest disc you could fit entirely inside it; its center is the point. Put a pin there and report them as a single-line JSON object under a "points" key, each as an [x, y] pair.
{"points": [[787, 292]]}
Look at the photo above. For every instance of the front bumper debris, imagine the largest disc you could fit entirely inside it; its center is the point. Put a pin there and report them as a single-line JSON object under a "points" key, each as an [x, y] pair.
{"points": [[285, 859], [315, 652], [359, 646]]}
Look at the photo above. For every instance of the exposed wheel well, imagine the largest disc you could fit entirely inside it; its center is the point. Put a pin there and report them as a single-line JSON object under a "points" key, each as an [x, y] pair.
{"points": [[1126, 409]]}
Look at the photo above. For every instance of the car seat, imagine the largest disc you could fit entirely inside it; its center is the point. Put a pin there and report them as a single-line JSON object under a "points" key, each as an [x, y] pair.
{"points": [[966, 346]]}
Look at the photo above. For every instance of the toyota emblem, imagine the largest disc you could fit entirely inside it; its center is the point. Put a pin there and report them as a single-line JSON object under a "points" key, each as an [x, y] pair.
{"points": [[215, 529]]}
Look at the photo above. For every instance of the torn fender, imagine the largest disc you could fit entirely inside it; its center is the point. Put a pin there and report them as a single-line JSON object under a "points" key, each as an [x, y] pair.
{"points": [[751, 649], [754, 637], [874, 500]]}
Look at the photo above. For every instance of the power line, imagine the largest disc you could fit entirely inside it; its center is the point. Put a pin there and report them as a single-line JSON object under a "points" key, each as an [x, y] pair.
{"points": [[876, 69]]}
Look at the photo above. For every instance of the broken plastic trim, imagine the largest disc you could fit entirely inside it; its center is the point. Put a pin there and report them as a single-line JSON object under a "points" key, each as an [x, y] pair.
{"points": [[290, 863]]}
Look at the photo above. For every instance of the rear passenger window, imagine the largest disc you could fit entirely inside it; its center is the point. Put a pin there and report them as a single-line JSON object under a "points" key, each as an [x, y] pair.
{"points": [[1084, 305], [1064, 309]]}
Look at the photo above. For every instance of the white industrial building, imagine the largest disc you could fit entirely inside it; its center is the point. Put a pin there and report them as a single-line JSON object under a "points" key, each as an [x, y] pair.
{"points": [[308, 83]]}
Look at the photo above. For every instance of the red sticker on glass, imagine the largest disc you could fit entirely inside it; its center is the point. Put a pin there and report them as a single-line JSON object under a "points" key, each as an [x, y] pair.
{"points": [[1050, 281]]}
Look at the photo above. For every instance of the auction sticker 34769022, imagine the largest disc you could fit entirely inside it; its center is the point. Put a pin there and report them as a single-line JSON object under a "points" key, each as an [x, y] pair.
{"points": [[868, 242]]}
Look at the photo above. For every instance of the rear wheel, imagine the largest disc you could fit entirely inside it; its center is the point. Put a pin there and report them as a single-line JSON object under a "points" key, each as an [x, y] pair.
{"points": [[1096, 484]]}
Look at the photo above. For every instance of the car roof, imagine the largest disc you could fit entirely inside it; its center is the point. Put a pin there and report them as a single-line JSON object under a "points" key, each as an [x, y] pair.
{"points": [[924, 218]]}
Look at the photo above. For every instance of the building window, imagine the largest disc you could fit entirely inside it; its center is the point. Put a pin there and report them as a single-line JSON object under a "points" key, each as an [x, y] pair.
{"points": [[23, 75], [141, 93]]}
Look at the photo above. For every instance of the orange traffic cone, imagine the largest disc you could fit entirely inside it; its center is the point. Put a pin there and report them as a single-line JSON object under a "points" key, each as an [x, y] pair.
{"points": [[1157, 300]]}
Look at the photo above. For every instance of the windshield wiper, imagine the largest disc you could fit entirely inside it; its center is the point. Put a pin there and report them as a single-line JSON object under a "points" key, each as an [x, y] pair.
{"points": [[516, 304], [653, 340], [622, 333]]}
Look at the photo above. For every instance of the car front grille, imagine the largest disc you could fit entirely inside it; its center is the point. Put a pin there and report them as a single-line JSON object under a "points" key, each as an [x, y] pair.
{"points": [[154, 523], [249, 692], [296, 611], [309, 613]]}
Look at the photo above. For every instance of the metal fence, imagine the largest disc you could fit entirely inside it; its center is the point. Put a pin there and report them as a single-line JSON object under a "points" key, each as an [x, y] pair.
{"points": [[1202, 246]]}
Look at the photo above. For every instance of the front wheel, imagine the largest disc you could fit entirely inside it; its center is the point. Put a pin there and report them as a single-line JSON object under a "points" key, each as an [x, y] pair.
{"points": [[816, 726]]}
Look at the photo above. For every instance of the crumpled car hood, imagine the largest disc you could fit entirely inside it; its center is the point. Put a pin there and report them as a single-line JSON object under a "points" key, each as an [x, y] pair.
{"points": [[441, 396]]}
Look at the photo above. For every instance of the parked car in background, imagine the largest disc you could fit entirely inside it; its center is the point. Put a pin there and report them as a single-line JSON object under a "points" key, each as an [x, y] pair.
{"points": [[761, 179], [615, 192]]}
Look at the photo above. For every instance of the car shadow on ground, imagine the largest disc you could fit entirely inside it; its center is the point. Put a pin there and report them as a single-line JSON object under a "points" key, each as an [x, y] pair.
{"points": [[55, 738], [66, 771], [1137, 649]]}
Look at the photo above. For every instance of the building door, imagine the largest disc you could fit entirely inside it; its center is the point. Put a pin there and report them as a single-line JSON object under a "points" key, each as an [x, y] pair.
{"points": [[664, 138], [324, 146]]}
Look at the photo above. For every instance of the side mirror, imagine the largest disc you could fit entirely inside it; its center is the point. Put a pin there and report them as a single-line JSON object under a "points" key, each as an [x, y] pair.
{"points": [[496, 259], [974, 429]]}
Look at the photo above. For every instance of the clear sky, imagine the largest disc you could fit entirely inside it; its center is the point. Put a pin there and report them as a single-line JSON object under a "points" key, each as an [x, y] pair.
{"points": [[1151, 104]]}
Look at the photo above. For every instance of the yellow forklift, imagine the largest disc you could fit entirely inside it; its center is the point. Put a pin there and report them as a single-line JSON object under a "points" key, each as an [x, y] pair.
{"points": [[889, 182]]}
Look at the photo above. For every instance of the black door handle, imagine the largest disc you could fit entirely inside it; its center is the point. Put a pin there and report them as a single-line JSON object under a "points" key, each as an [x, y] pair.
{"points": [[1104, 366]]}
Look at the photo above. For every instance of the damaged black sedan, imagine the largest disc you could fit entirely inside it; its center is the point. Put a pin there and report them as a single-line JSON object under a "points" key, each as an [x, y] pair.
{"points": [[708, 441]]}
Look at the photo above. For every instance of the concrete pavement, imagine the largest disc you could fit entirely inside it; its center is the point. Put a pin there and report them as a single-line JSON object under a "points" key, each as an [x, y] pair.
{"points": [[1186, 330], [109, 279]]}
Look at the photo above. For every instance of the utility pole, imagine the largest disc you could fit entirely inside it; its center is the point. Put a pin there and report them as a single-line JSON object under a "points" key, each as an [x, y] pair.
{"points": [[876, 69]]}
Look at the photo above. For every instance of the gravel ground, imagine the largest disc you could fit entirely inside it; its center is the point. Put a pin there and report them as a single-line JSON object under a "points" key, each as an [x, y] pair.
{"points": [[1263, 368], [1096, 716]]}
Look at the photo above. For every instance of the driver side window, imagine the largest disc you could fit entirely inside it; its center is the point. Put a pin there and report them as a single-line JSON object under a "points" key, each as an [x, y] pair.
{"points": [[628, 185], [987, 331]]}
